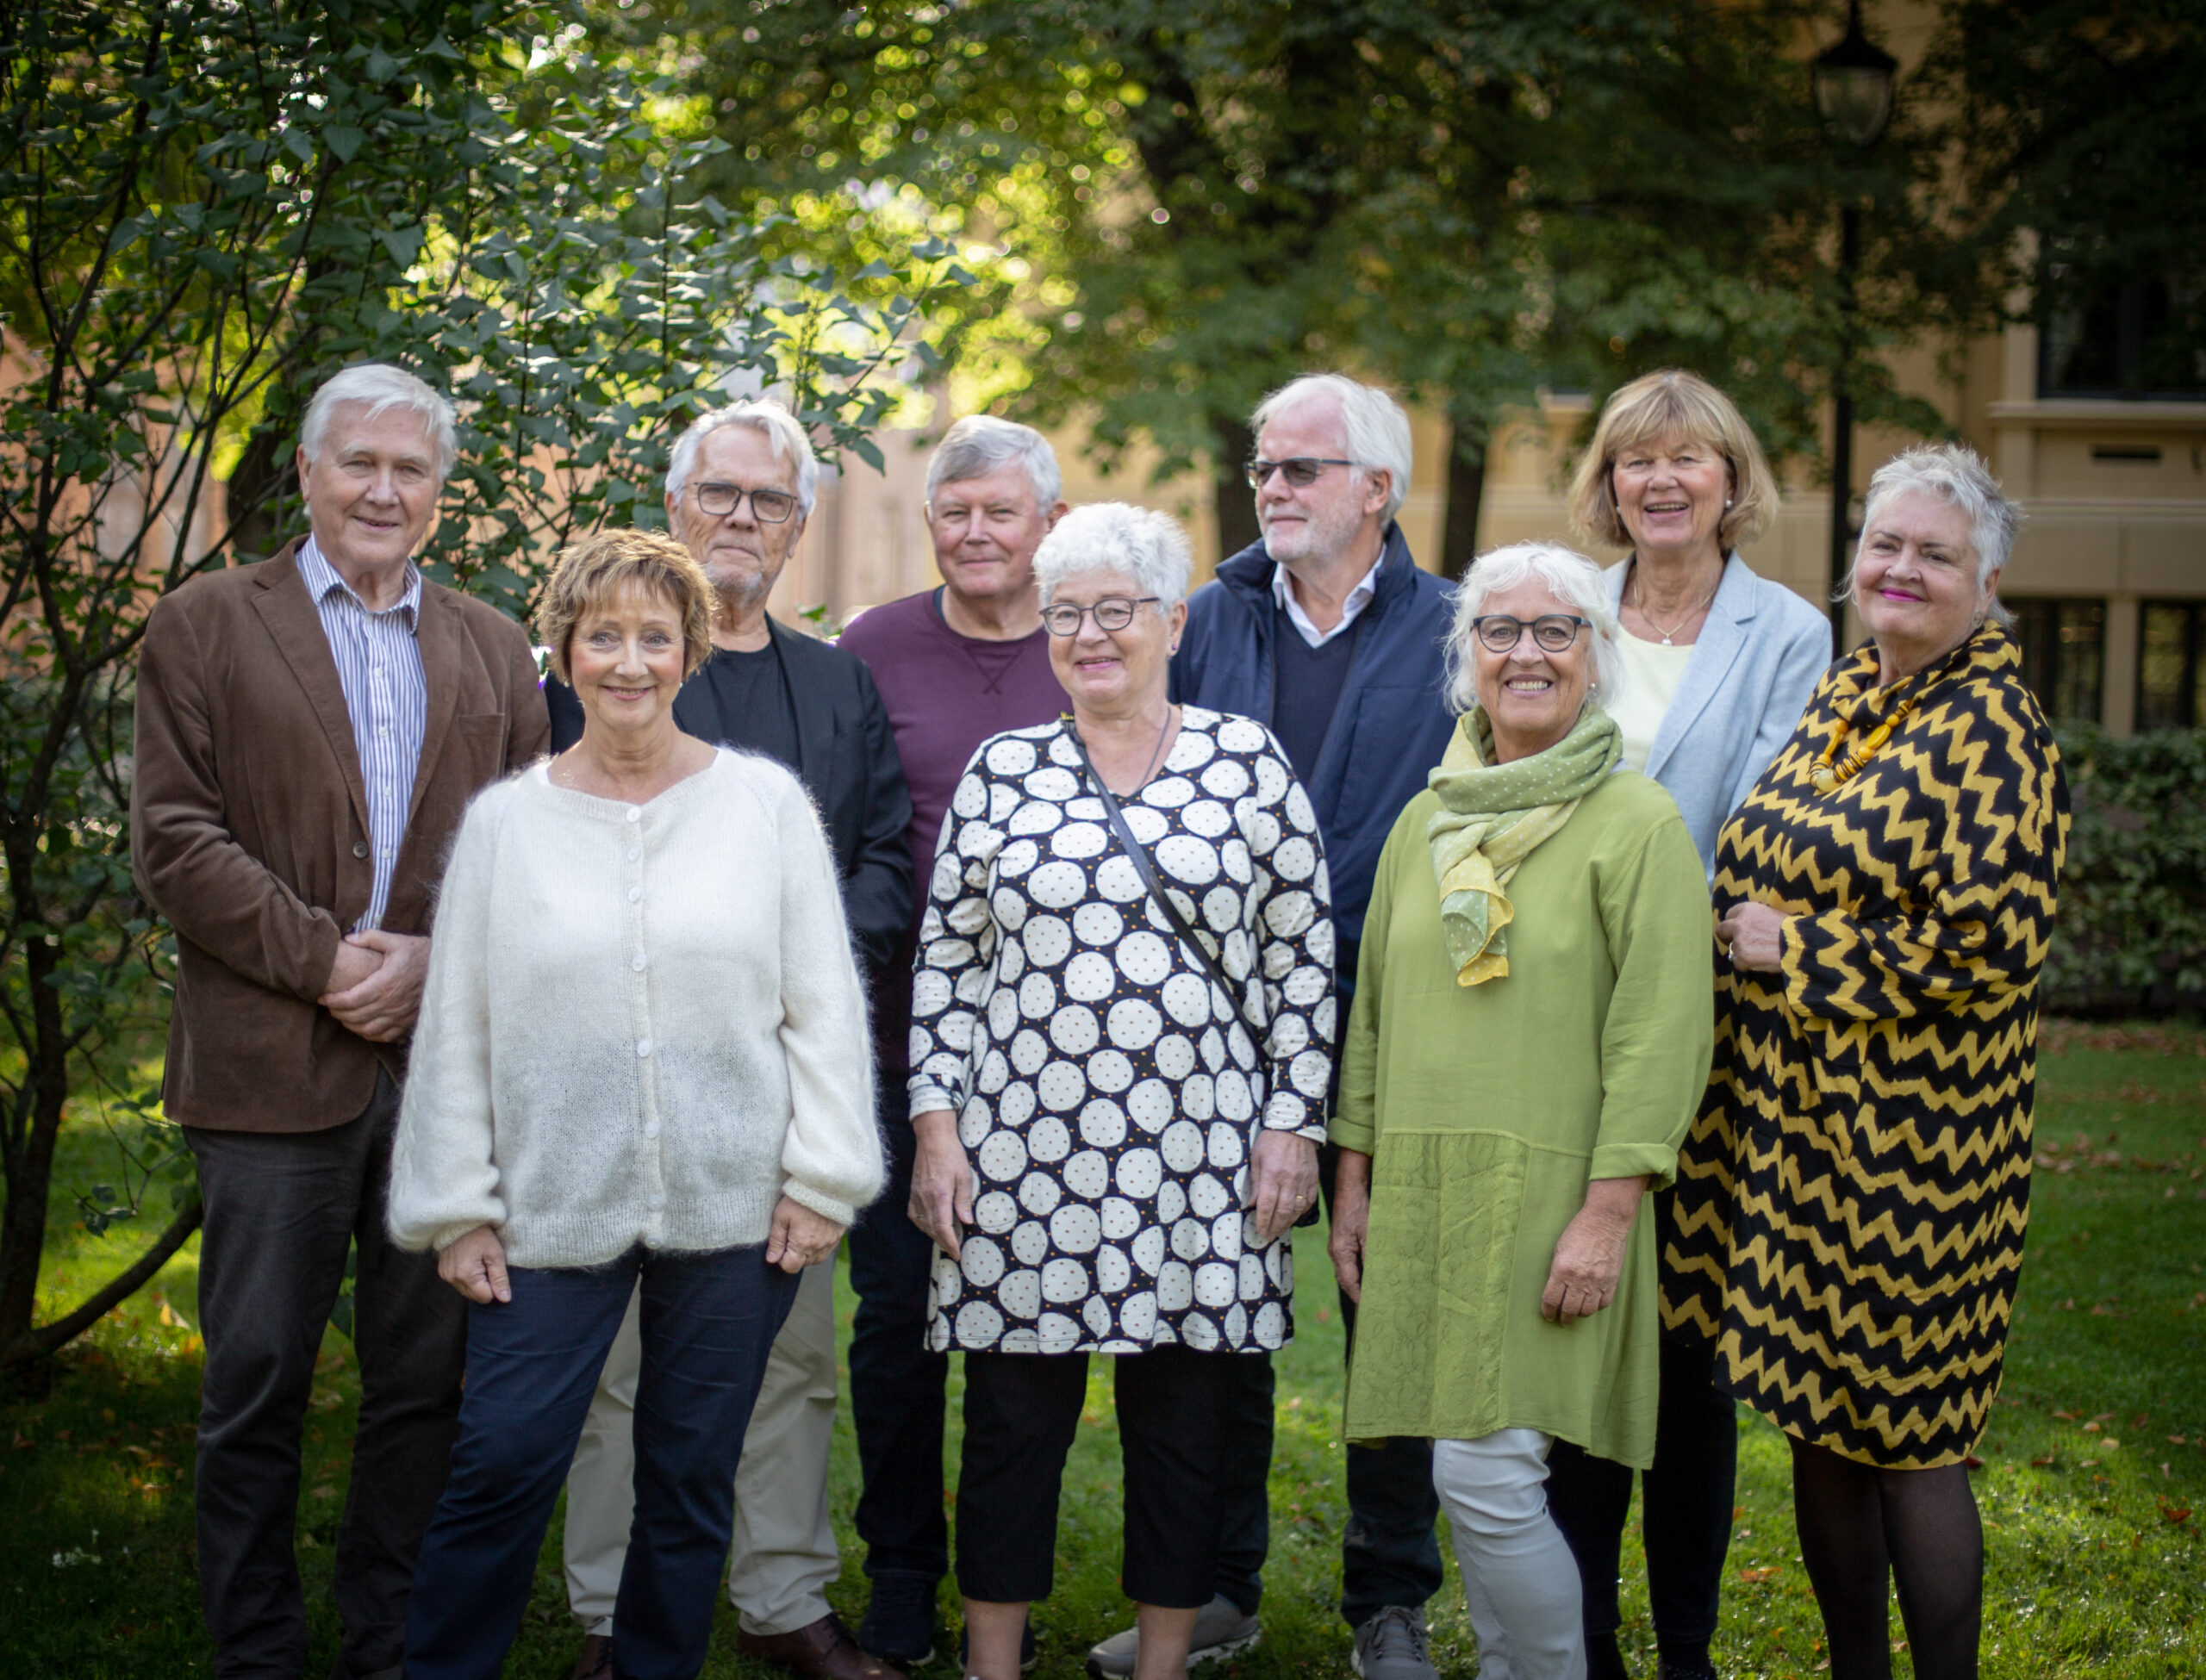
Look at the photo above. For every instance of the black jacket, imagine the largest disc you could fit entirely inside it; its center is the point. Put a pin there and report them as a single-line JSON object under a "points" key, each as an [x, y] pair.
{"points": [[848, 764]]}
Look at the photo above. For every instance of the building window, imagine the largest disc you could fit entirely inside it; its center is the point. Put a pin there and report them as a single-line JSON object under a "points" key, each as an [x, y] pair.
{"points": [[2064, 655], [2171, 665], [2138, 338]]}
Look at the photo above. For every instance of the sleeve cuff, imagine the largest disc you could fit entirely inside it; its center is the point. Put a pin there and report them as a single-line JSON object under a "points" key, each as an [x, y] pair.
{"points": [[928, 1097], [1629, 1160], [826, 1206], [1352, 1135]]}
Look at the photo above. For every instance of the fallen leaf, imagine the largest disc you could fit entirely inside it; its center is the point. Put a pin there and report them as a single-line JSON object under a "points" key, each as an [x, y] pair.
{"points": [[2171, 1511], [2040, 1463], [2100, 1310], [2068, 1305], [325, 1491], [2092, 1427], [1771, 1572], [2178, 1440], [2070, 1416], [2140, 1420], [1972, 1461], [2103, 1417]]}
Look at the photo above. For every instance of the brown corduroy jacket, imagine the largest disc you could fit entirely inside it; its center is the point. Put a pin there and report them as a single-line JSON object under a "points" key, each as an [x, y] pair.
{"points": [[249, 828]]}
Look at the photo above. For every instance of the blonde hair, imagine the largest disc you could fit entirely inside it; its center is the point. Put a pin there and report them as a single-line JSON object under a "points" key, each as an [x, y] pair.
{"points": [[588, 574], [1672, 405]]}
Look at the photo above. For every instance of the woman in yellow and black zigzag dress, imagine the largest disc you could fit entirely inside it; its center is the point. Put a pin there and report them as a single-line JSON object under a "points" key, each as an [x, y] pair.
{"points": [[1849, 1218]]}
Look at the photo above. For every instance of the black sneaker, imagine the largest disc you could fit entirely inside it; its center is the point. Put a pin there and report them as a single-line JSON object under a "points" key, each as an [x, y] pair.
{"points": [[1029, 1658], [899, 1622]]}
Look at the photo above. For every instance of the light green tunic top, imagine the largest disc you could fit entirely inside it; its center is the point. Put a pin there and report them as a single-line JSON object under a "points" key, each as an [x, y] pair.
{"points": [[1487, 1109]]}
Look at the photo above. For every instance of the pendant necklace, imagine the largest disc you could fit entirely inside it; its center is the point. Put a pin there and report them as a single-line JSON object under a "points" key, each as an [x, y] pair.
{"points": [[1641, 605]]}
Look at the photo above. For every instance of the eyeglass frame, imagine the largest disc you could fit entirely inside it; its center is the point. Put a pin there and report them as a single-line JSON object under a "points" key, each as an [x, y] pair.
{"points": [[1083, 613], [756, 512], [1532, 624], [1259, 472]]}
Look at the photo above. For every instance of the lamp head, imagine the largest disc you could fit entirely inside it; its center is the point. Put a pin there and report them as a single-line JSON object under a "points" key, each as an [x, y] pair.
{"points": [[1854, 84]]}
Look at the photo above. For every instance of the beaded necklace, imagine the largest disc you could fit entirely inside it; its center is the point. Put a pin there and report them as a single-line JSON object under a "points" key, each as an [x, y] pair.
{"points": [[1826, 775]]}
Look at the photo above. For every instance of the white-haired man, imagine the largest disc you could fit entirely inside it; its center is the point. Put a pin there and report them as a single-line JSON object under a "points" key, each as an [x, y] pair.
{"points": [[1327, 631], [956, 664], [309, 731], [739, 488]]}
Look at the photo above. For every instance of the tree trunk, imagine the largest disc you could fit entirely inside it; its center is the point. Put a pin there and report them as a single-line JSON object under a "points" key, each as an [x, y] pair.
{"points": [[30, 1167], [1236, 504], [1459, 539]]}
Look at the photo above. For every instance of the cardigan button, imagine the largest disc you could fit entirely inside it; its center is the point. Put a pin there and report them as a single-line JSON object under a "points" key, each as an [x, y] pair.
{"points": [[359, 848], [655, 1201], [651, 1129], [643, 1047], [637, 963], [635, 814]]}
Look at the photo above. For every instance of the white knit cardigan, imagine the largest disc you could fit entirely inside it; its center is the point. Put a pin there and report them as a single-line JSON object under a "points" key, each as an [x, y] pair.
{"points": [[642, 1024]]}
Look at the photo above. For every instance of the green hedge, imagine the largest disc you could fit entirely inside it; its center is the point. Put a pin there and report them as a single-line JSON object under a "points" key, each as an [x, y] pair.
{"points": [[2131, 933]]}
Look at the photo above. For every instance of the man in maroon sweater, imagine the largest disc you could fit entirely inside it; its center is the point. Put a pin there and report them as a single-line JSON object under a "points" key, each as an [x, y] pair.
{"points": [[955, 665]]}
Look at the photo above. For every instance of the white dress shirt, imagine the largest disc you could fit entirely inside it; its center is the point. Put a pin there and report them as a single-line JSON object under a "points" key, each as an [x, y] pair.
{"points": [[1358, 598]]}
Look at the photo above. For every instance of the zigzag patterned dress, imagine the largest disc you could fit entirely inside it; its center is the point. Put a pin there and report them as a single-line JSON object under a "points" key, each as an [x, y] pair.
{"points": [[1848, 1216]]}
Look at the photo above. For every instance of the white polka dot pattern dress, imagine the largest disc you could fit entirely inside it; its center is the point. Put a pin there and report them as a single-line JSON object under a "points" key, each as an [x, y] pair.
{"points": [[1107, 1091]]}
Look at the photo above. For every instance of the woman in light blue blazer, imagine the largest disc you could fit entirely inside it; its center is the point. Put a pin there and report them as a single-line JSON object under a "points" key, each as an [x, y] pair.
{"points": [[1719, 664]]}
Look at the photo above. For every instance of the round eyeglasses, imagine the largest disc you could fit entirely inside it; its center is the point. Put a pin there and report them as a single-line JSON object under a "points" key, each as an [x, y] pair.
{"points": [[1111, 613], [1552, 632], [769, 506]]}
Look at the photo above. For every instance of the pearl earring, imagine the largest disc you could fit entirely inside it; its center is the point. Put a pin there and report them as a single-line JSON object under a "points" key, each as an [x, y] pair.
{"points": [[1727, 502]]}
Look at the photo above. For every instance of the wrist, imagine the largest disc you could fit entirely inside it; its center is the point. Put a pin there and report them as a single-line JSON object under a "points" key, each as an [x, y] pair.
{"points": [[935, 1127]]}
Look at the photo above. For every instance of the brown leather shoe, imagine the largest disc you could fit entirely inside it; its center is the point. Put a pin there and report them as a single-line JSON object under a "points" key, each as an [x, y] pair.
{"points": [[594, 1660], [824, 1650]]}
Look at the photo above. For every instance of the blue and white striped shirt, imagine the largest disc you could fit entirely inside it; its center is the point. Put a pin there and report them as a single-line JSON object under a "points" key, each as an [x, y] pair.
{"points": [[379, 664]]}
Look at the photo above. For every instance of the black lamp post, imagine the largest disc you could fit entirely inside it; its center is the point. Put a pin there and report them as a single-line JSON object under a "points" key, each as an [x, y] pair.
{"points": [[1853, 93]]}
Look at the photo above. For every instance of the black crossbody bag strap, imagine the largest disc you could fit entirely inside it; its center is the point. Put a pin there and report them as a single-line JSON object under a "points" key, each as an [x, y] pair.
{"points": [[1147, 867]]}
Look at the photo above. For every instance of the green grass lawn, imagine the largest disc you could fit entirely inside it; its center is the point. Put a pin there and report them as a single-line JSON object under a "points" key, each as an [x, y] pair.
{"points": [[2096, 1459]]}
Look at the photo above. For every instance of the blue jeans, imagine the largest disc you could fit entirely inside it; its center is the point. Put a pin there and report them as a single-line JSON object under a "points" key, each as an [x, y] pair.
{"points": [[896, 1384], [1390, 1552], [709, 1322]]}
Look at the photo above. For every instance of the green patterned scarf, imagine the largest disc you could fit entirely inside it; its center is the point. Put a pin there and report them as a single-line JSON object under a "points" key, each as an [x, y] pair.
{"points": [[1491, 817]]}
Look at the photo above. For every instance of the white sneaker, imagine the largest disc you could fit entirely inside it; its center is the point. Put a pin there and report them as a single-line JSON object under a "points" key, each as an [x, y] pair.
{"points": [[1220, 1630]]}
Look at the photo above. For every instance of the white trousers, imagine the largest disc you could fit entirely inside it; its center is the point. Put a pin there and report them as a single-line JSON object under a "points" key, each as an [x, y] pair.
{"points": [[1520, 1581], [784, 1553]]}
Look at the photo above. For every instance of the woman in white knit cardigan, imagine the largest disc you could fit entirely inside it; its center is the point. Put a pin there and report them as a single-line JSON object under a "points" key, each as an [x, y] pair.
{"points": [[641, 1059]]}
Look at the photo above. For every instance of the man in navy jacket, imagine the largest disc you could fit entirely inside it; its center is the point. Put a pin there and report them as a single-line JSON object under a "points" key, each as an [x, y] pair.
{"points": [[1327, 631]]}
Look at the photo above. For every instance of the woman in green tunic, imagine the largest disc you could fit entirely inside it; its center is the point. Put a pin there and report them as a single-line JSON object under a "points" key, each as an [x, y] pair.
{"points": [[1530, 1036]]}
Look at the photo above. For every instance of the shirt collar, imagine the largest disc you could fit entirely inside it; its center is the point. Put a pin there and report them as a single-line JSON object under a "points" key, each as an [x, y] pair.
{"points": [[321, 577], [1358, 598]]}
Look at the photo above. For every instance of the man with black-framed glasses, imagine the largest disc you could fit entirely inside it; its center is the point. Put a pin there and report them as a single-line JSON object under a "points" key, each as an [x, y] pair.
{"points": [[738, 489], [1327, 631]]}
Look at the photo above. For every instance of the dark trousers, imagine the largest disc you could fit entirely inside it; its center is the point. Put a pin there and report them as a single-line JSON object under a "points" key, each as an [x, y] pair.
{"points": [[709, 1322], [1390, 1553], [897, 1384], [1687, 1515], [283, 1209], [1021, 1410]]}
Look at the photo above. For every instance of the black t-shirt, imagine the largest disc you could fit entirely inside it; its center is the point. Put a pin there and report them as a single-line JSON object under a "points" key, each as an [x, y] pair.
{"points": [[742, 700], [734, 699]]}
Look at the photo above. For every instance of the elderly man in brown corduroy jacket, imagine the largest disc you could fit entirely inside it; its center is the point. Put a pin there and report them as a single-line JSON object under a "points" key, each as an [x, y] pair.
{"points": [[309, 731]]}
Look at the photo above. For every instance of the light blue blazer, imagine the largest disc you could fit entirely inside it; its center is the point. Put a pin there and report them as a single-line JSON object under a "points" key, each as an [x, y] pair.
{"points": [[1757, 660]]}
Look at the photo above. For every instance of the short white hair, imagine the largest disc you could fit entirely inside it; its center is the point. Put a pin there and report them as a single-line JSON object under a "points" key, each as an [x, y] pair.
{"points": [[762, 415], [1148, 546], [1377, 429], [1570, 577], [1956, 475], [378, 388], [980, 443]]}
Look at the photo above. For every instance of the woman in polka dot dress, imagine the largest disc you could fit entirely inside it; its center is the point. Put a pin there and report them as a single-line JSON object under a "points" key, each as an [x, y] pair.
{"points": [[1114, 1144]]}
